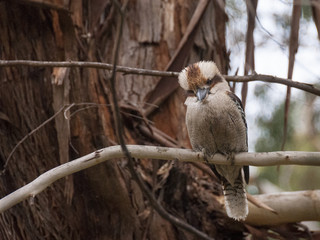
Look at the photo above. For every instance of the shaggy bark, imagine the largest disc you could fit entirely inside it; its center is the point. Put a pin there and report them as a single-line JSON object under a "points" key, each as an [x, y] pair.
{"points": [[103, 202]]}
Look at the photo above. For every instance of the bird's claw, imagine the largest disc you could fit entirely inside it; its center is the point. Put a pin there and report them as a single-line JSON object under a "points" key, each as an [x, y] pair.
{"points": [[231, 158]]}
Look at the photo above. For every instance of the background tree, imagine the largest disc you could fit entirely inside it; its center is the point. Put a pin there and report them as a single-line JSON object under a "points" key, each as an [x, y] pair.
{"points": [[104, 202]]}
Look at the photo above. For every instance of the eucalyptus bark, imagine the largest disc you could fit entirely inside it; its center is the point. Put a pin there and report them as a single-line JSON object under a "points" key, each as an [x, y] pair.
{"points": [[102, 202]]}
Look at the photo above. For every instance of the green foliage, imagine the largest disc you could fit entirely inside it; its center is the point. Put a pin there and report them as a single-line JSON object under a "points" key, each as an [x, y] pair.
{"points": [[272, 130], [306, 12], [289, 178]]}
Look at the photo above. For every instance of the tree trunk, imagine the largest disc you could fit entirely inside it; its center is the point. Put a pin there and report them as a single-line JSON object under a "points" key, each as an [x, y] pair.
{"points": [[103, 202]]}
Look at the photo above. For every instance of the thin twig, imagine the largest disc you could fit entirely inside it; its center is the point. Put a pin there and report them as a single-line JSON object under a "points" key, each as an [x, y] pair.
{"points": [[273, 79], [139, 71], [28, 135], [65, 109], [99, 65]]}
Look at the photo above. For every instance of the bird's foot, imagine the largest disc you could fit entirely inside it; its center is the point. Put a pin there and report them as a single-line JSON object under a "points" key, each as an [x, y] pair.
{"points": [[230, 157], [206, 155]]}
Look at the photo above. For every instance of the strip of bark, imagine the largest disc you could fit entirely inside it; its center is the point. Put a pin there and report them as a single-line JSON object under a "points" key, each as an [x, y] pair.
{"points": [[249, 64], [293, 48]]}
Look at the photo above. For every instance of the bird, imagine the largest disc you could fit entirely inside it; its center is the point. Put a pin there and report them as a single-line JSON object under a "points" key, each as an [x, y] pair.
{"points": [[216, 123]]}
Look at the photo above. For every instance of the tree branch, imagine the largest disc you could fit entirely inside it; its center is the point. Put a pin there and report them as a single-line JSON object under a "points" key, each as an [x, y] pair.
{"points": [[129, 70], [272, 79], [289, 206], [164, 153], [99, 65]]}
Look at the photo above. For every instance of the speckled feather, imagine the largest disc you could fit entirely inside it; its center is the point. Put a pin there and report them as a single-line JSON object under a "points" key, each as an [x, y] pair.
{"points": [[217, 125]]}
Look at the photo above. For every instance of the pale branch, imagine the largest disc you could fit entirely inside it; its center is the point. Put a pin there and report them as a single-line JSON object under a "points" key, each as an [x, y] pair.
{"points": [[153, 152], [139, 71], [289, 207]]}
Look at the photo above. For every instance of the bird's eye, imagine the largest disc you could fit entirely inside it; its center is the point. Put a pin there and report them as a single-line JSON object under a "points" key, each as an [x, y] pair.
{"points": [[209, 81]]}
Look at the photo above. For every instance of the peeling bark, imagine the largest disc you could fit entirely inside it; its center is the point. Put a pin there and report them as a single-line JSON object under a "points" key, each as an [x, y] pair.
{"points": [[104, 201]]}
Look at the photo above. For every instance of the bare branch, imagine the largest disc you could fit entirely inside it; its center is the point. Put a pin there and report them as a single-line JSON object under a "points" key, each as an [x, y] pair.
{"points": [[28, 135], [99, 65], [152, 152], [289, 207], [129, 70], [272, 79]]}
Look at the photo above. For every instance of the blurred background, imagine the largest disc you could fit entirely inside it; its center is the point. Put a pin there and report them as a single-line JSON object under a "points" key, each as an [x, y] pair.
{"points": [[265, 107], [265, 103]]}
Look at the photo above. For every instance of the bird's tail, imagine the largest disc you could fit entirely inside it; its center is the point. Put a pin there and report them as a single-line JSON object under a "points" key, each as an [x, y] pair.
{"points": [[236, 199]]}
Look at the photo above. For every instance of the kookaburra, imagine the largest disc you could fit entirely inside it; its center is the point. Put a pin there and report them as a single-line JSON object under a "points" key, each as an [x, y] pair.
{"points": [[216, 123]]}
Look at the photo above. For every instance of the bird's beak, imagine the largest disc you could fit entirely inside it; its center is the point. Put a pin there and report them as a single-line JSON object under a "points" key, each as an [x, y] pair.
{"points": [[202, 93]]}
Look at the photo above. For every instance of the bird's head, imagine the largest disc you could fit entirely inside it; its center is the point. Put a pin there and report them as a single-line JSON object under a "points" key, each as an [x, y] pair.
{"points": [[201, 79]]}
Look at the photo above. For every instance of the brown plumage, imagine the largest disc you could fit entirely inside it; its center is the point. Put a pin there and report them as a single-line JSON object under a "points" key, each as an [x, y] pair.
{"points": [[216, 124]]}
